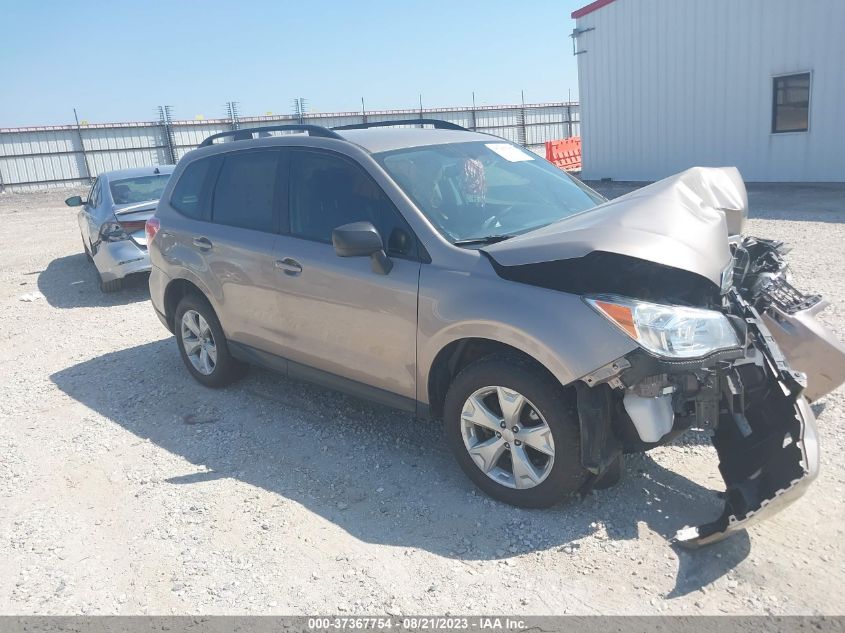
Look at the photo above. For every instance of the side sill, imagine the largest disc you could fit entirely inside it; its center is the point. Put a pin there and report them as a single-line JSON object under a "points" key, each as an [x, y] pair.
{"points": [[307, 373]]}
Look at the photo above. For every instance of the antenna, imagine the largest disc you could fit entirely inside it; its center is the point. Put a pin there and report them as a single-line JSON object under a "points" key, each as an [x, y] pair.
{"points": [[165, 119], [233, 114], [299, 108]]}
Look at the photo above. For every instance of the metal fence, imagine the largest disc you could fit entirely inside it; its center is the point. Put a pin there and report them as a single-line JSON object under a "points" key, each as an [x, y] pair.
{"points": [[69, 155]]}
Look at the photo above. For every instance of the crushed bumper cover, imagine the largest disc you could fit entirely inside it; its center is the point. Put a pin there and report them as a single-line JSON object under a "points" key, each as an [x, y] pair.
{"points": [[768, 449], [765, 480], [116, 260]]}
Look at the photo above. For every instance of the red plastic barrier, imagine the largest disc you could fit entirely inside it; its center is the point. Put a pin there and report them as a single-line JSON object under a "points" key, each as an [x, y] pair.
{"points": [[565, 153]]}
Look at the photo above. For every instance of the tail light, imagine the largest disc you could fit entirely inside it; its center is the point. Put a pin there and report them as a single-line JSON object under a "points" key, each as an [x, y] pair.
{"points": [[112, 232], [151, 228]]}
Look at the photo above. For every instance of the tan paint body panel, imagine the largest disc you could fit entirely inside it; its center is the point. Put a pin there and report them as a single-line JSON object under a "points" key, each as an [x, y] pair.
{"points": [[809, 347]]}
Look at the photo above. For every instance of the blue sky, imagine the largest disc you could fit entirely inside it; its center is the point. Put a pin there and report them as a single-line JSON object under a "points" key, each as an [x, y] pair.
{"points": [[118, 60]]}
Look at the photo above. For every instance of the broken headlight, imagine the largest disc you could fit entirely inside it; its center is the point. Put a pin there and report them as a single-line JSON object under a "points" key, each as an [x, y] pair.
{"points": [[669, 331], [727, 278]]}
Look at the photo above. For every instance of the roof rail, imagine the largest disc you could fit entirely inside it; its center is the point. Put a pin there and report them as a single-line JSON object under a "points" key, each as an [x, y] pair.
{"points": [[246, 133], [437, 123]]}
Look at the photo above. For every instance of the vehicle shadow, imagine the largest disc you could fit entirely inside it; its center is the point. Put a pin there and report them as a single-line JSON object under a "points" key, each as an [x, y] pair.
{"points": [[72, 282], [375, 472]]}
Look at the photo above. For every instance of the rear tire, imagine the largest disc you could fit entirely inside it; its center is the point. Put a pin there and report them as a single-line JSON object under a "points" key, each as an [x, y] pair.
{"points": [[201, 328], [111, 286], [545, 406]]}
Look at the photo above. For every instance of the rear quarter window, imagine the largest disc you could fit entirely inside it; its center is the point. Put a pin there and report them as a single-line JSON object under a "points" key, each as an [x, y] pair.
{"points": [[187, 196]]}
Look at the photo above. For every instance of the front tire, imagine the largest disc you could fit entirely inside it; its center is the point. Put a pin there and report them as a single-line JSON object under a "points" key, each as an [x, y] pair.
{"points": [[515, 432], [203, 346]]}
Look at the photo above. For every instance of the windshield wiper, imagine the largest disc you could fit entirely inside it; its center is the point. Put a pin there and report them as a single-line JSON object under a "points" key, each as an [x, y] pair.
{"points": [[487, 239]]}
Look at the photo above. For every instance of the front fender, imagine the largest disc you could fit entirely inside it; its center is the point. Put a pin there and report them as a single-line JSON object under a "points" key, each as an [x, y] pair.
{"points": [[557, 329]]}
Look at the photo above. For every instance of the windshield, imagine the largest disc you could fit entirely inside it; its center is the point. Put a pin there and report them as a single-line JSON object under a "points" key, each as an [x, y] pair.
{"points": [[486, 191], [140, 189]]}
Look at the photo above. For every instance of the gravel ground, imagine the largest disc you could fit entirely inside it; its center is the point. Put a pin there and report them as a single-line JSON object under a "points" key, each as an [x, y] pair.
{"points": [[126, 487]]}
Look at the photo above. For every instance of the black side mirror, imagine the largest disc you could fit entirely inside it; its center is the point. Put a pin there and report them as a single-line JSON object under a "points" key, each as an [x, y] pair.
{"points": [[75, 201], [362, 239]]}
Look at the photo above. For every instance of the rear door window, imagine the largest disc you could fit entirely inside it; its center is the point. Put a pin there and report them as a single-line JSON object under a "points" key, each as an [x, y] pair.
{"points": [[245, 193], [188, 194]]}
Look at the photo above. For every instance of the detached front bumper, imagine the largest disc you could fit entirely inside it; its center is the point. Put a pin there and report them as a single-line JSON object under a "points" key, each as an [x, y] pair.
{"points": [[766, 438], [779, 476]]}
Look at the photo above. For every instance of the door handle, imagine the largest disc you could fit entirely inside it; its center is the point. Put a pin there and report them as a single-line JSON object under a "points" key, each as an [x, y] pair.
{"points": [[289, 266], [202, 243]]}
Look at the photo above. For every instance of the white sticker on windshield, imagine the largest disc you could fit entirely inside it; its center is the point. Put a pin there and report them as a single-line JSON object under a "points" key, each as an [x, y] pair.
{"points": [[510, 152]]}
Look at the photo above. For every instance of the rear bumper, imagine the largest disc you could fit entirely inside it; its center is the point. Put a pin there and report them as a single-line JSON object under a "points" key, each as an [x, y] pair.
{"points": [[163, 319], [116, 260], [158, 286]]}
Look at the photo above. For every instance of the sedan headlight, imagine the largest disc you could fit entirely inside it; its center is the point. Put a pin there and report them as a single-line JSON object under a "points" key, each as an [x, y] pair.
{"points": [[670, 331]]}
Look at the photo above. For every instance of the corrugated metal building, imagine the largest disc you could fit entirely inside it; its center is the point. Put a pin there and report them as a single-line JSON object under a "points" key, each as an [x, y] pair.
{"points": [[668, 84]]}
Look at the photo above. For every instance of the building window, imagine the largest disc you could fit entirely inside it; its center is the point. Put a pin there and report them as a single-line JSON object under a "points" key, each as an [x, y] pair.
{"points": [[791, 103]]}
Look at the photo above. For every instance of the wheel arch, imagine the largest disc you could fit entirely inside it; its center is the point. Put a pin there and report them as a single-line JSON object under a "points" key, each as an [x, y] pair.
{"points": [[174, 292], [459, 353]]}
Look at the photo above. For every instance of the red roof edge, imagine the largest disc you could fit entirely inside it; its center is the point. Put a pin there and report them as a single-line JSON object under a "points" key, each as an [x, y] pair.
{"points": [[593, 6]]}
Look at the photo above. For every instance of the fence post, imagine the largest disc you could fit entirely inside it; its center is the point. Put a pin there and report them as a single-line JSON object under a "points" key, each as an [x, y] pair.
{"points": [[569, 120], [82, 147], [363, 111], [474, 125]]}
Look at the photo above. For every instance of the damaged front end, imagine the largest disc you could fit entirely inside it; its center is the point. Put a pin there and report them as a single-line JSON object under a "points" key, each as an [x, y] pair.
{"points": [[750, 395], [724, 342]]}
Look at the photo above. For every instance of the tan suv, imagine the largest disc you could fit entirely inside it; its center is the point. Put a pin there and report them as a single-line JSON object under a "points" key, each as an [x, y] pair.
{"points": [[456, 275]]}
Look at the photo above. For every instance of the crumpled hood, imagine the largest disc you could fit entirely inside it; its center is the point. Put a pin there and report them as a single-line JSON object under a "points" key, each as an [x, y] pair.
{"points": [[682, 221]]}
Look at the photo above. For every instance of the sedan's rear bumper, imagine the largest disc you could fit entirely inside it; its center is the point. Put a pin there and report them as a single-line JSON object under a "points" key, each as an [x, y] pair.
{"points": [[116, 260]]}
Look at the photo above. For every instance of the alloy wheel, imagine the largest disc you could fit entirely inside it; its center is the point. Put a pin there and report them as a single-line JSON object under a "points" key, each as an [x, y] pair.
{"points": [[198, 342], [507, 437]]}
